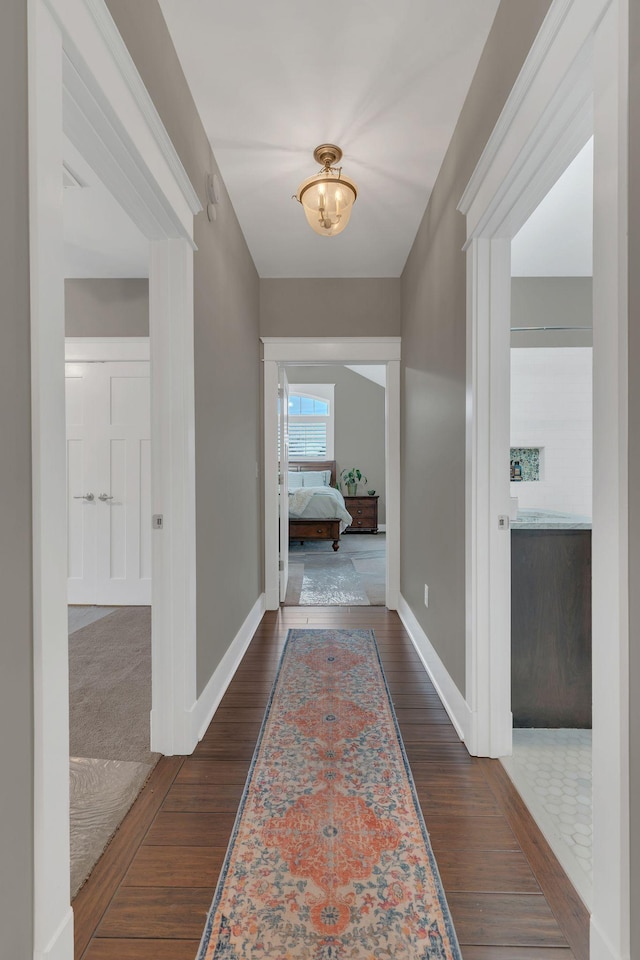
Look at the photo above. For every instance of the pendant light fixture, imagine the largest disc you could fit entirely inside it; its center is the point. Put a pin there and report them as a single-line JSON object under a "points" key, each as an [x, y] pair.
{"points": [[327, 197]]}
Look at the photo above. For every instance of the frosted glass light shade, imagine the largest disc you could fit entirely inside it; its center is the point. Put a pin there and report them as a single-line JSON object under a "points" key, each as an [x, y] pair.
{"points": [[327, 199]]}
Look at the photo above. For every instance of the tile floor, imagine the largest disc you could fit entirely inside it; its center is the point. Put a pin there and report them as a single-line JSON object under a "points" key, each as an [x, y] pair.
{"points": [[551, 769]]}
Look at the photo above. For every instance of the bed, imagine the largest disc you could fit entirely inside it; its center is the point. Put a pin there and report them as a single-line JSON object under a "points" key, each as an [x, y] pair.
{"points": [[316, 508]]}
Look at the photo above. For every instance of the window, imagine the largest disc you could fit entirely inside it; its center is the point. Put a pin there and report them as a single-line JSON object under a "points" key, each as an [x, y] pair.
{"points": [[311, 415]]}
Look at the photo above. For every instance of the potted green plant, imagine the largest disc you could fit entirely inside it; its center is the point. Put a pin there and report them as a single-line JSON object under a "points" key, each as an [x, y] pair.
{"points": [[351, 477]]}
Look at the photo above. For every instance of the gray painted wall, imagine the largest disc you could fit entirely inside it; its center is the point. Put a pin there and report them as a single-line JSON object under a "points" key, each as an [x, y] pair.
{"points": [[314, 307], [634, 468], [106, 307], [16, 637], [552, 302], [433, 354], [227, 366], [359, 423]]}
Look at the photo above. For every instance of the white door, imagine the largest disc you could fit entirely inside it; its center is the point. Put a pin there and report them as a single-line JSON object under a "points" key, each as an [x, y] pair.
{"points": [[109, 481], [283, 417]]}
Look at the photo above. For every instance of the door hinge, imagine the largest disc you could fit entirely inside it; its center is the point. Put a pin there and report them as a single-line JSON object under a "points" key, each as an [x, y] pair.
{"points": [[281, 565]]}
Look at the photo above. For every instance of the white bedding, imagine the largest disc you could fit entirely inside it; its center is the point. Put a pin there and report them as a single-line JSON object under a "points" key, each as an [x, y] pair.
{"points": [[319, 503]]}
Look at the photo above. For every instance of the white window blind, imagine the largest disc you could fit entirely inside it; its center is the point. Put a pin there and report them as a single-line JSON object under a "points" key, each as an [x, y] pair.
{"points": [[307, 440]]}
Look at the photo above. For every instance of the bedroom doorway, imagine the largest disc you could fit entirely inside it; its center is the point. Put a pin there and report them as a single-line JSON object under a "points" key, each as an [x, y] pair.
{"points": [[336, 539], [311, 441]]}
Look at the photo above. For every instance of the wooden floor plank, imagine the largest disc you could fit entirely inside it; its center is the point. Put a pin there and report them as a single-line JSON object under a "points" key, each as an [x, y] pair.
{"points": [[516, 953], [177, 913], [509, 898], [504, 920], [214, 771], [468, 833], [174, 866], [492, 871], [190, 829], [202, 798], [142, 950]]}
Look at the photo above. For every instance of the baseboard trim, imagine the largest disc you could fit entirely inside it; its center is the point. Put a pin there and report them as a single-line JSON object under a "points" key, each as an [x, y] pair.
{"points": [[452, 700], [207, 703], [599, 946], [60, 947]]}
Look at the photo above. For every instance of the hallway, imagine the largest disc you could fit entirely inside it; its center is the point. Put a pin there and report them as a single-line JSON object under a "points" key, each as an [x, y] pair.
{"points": [[149, 895]]}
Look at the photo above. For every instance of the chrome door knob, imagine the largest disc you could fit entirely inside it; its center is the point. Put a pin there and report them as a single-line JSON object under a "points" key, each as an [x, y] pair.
{"points": [[84, 496], [104, 496]]}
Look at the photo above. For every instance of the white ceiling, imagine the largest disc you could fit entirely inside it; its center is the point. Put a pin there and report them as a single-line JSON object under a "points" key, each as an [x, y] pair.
{"points": [[557, 239], [385, 81], [99, 238], [375, 372]]}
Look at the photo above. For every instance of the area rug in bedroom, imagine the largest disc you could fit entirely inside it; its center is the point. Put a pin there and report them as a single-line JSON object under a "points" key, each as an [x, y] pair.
{"points": [[329, 857]]}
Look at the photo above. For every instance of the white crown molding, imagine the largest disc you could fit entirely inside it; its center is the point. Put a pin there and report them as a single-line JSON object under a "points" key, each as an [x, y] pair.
{"points": [[129, 72], [536, 57]]}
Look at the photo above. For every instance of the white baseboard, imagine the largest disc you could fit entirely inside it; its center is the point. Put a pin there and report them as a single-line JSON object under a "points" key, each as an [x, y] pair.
{"points": [[208, 701], [599, 946], [452, 700], [60, 947]]}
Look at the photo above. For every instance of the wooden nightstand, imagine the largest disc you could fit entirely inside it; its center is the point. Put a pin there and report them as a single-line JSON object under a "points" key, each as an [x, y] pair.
{"points": [[364, 511]]}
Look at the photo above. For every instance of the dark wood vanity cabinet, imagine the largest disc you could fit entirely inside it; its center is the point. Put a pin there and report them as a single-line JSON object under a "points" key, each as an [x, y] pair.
{"points": [[551, 628]]}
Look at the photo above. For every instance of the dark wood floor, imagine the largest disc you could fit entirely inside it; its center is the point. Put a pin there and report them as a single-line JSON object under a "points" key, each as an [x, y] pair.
{"points": [[148, 897]]}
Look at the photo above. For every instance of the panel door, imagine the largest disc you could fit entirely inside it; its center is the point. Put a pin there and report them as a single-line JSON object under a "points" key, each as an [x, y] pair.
{"points": [[123, 491], [115, 540]]}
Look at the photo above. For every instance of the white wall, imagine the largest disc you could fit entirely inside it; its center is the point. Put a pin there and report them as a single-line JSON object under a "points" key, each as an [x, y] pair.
{"points": [[551, 403]]}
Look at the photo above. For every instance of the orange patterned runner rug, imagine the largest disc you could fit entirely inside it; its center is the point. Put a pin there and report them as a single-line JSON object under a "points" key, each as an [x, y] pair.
{"points": [[329, 857]]}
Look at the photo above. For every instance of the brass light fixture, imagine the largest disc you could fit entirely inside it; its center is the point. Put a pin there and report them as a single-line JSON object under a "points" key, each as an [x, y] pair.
{"points": [[328, 196]]}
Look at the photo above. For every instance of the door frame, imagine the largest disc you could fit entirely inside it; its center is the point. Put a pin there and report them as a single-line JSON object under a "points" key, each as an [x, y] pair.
{"points": [[83, 82], [332, 351], [573, 84]]}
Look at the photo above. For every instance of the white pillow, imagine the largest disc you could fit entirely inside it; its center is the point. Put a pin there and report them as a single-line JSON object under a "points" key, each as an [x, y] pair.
{"points": [[295, 480], [316, 478]]}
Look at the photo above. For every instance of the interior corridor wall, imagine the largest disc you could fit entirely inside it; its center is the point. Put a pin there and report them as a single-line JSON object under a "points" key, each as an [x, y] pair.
{"points": [[16, 580], [227, 361], [330, 307], [433, 365], [106, 307]]}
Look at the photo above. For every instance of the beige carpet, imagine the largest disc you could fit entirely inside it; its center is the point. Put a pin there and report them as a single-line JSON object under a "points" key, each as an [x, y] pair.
{"points": [[110, 687], [109, 706]]}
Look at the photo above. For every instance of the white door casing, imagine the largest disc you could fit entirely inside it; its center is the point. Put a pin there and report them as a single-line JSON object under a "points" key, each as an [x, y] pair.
{"points": [[82, 79], [283, 467], [327, 350], [573, 84], [109, 482]]}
